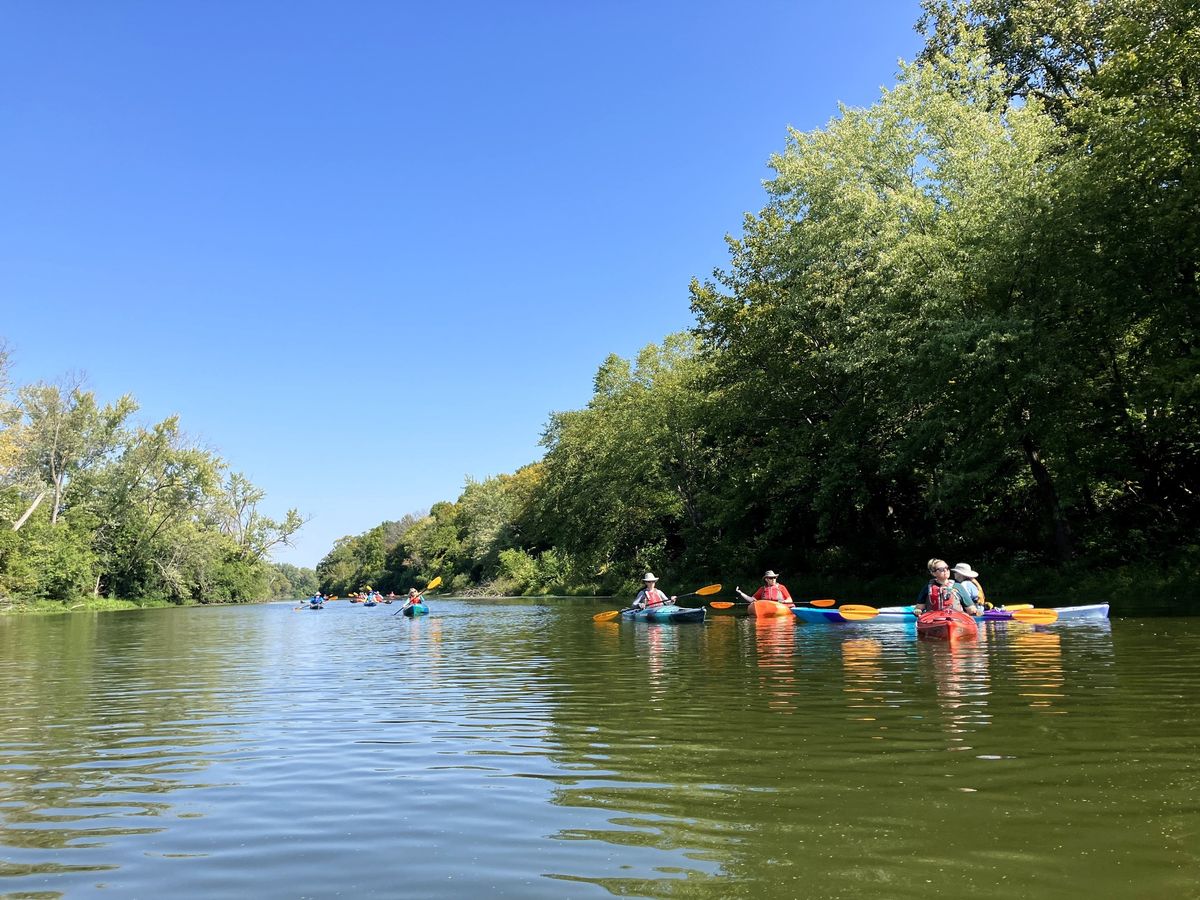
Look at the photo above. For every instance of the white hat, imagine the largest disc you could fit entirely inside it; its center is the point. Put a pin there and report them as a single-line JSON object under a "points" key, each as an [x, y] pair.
{"points": [[649, 576], [770, 573], [964, 569]]}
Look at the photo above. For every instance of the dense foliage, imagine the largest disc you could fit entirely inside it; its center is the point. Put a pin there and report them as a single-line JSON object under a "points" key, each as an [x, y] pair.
{"points": [[95, 506], [964, 324]]}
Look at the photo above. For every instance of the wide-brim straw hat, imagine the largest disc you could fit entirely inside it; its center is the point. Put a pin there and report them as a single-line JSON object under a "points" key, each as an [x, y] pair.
{"points": [[649, 576], [770, 573], [964, 569]]}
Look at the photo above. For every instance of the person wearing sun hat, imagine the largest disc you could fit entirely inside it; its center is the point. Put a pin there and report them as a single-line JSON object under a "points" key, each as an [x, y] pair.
{"points": [[771, 590], [943, 592], [967, 580], [650, 595]]}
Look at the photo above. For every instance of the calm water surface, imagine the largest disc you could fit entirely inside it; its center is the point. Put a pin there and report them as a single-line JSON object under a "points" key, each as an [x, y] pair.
{"points": [[519, 749]]}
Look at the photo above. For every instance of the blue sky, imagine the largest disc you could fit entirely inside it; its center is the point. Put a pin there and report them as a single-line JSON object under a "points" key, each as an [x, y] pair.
{"points": [[365, 249]]}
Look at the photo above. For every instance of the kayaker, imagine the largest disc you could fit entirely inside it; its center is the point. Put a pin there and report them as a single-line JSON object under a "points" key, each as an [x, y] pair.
{"points": [[771, 590], [414, 597], [967, 580], [942, 592], [650, 596]]}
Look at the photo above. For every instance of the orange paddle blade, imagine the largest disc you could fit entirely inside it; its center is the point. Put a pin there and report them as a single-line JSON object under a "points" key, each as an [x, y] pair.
{"points": [[721, 604], [1036, 616], [855, 613], [825, 602], [606, 616], [705, 591]]}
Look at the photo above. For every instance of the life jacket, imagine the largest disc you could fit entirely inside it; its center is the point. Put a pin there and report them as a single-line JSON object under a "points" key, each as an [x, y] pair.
{"points": [[772, 592], [942, 597], [979, 587], [653, 597]]}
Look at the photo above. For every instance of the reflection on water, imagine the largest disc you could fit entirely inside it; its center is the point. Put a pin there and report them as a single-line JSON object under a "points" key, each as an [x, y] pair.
{"points": [[520, 748]]}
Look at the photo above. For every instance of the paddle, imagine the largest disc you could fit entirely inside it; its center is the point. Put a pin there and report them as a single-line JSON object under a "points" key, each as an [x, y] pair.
{"points": [[613, 613], [429, 587], [725, 604], [855, 613], [1036, 616]]}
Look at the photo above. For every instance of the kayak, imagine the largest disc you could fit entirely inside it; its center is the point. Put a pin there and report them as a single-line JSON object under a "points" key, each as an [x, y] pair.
{"points": [[765, 609], [316, 606], [946, 625], [900, 615], [666, 613], [370, 603], [416, 609]]}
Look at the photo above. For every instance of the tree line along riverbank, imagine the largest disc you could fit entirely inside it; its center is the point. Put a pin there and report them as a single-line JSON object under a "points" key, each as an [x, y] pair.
{"points": [[962, 325]]}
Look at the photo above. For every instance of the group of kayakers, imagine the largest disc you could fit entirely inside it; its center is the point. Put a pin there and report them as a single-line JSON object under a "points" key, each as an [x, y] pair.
{"points": [[650, 596], [371, 597], [955, 588]]}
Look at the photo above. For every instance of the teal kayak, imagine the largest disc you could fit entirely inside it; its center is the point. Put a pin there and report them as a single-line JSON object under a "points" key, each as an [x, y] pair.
{"points": [[416, 609], [665, 613]]}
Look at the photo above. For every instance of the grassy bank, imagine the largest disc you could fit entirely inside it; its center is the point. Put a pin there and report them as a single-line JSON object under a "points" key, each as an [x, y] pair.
{"points": [[10, 606]]}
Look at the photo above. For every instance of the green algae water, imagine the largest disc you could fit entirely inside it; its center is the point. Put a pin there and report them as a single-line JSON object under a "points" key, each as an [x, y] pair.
{"points": [[519, 749]]}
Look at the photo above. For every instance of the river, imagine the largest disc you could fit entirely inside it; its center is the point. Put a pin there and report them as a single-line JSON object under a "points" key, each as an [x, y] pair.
{"points": [[516, 748]]}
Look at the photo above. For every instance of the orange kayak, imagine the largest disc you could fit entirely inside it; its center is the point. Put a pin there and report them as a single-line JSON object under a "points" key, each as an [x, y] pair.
{"points": [[765, 609], [946, 625]]}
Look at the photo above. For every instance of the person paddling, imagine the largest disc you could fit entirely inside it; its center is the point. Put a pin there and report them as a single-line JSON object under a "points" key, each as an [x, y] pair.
{"points": [[943, 593], [414, 598], [771, 590], [650, 596]]}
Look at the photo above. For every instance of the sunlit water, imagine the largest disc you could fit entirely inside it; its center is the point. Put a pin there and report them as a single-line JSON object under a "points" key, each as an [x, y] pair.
{"points": [[517, 748]]}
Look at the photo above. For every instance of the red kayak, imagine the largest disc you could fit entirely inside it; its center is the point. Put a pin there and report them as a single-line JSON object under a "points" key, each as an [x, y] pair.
{"points": [[946, 625]]}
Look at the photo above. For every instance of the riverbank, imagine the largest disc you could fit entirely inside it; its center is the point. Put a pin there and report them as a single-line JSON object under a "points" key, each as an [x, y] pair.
{"points": [[9, 606]]}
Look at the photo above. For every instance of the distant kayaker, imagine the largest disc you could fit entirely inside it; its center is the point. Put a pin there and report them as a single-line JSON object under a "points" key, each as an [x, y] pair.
{"points": [[650, 596], [942, 592], [414, 597], [771, 590], [967, 580]]}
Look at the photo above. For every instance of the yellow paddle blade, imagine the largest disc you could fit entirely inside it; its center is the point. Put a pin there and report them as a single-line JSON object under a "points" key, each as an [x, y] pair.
{"points": [[705, 591], [855, 613], [606, 616], [1036, 616], [435, 583], [825, 602], [720, 604]]}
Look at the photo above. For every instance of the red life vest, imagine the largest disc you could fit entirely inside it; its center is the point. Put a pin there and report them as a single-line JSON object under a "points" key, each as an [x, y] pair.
{"points": [[775, 592], [654, 597], [941, 597]]}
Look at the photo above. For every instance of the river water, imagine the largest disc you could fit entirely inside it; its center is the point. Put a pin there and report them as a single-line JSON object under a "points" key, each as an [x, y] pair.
{"points": [[519, 749]]}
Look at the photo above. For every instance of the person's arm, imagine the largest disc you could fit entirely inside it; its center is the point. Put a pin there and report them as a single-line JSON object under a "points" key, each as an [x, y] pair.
{"points": [[919, 603], [743, 594], [786, 595], [968, 604]]}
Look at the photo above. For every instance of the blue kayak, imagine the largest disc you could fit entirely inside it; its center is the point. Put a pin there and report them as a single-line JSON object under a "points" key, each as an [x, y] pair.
{"points": [[316, 606], [416, 609], [665, 613], [904, 614]]}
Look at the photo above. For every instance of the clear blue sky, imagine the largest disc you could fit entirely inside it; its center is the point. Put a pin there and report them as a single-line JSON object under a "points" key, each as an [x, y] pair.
{"points": [[364, 249]]}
